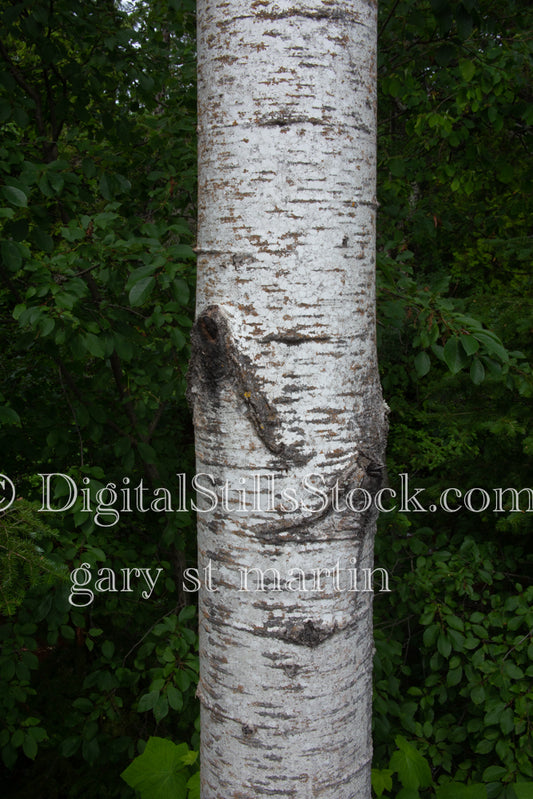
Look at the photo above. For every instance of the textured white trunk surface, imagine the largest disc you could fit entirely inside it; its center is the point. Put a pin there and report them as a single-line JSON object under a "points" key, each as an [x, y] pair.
{"points": [[284, 384]]}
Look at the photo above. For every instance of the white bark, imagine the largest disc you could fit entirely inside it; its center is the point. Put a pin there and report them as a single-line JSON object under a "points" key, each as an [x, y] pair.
{"points": [[284, 384]]}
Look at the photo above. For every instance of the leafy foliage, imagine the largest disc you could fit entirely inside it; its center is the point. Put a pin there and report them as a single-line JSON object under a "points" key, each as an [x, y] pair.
{"points": [[24, 563], [162, 771], [456, 674], [453, 669], [96, 283]]}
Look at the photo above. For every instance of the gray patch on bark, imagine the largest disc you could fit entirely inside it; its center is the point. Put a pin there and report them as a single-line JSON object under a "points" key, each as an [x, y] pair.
{"points": [[216, 358], [302, 633], [308, 634], [240, 259], [326, 14], [288, 119], [293, 337]]}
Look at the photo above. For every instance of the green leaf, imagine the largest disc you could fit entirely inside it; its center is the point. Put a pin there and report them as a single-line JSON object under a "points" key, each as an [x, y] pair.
{"points": [[147, 453], [141, 291], [17, 739], [83, 704], [72, 233], [513, 671], [161, 708], [187, 613], [494, 774], [38, 734], [139, 274], [444, 645], [469, 344], [11, 255], [70, 745], [91, 750], [30, 746], [8, 416], [105, 188], [181, 291], [457, 640], [492, 344], [159, 772], [422, 364], [468, 70], [108, 648], [493, 367], [523, 790], [381, 780], [147, 701], [455, 622], [193, 786], [46, 325], [507, 721], [493, 714], [477, 694], [105, 219], [454, 676], [177, 338], [412, 768], [431, 634], [94, 345], [175, 699], [182, 679], [454, 355], [15, 196], [188, 757], [477, 372], [183, 251], [56, 181]]}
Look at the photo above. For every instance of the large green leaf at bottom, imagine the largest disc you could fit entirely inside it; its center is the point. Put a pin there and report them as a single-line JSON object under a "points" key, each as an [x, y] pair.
{"points": [[412, 767], [160, 773]]}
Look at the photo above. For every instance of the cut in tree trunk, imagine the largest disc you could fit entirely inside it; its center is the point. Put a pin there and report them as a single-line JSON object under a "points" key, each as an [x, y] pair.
{"points": [[284, 385]]}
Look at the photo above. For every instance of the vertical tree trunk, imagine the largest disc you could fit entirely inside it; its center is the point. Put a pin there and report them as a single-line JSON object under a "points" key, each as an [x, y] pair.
{"points": [[286, 395]]}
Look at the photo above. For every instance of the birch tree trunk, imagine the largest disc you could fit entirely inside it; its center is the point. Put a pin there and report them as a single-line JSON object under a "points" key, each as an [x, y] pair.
{"points": [[285, 390]]}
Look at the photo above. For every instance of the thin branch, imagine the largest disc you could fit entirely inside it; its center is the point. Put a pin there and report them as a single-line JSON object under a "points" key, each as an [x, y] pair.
{"points": [[155, 421], [393, 9], [148, 631]]}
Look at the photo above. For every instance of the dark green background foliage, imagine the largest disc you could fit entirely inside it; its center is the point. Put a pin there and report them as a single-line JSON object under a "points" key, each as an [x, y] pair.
{"points": [[97, 210]]}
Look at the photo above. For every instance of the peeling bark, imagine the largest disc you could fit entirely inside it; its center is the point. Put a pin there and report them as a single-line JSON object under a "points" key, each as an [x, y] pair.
{"points": [[284, 387]]}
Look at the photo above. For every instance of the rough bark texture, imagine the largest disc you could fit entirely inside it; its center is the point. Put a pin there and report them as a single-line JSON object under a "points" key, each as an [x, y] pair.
{"points": [[284, 384]]}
